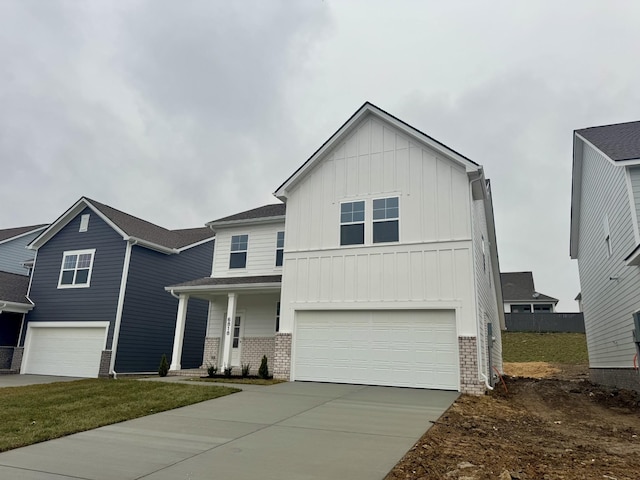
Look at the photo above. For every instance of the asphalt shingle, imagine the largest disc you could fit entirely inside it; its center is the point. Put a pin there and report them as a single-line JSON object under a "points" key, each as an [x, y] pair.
{"points": [[13, 287], [619, 142]]}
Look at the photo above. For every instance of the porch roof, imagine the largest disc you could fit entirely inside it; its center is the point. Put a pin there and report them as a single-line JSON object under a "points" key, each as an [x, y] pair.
{"points": [[13, 293], [214, 284]]}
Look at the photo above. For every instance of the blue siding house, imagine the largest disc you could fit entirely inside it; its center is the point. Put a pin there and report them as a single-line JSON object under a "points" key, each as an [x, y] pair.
{"points": [[98, 289], [14, 256]]}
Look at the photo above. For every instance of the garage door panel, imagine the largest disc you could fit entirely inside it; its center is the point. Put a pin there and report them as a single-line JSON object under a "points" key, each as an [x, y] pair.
{"points": [[64, 351], [402, 348]]}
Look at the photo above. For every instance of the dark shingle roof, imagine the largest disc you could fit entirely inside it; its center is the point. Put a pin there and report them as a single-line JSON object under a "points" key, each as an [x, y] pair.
{"points": [[230, 281], [619, 142], [13, 288], [138, 228], [272, 210], [518, 286], [14, 232]]}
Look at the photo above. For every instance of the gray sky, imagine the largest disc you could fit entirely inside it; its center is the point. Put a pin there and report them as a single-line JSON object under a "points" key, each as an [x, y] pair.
{"points": [[183, 112]]}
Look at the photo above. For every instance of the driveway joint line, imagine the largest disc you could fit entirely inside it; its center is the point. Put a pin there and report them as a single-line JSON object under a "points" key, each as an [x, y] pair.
{"points": [[61, 475]]}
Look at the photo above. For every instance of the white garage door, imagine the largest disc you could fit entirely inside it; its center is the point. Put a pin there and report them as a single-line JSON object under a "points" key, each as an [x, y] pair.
{"points": [[64, 351], [395, 348]]}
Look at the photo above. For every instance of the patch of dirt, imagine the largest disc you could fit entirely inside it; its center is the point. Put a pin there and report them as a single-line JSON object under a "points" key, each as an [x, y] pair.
{"points": [[557, 427]]}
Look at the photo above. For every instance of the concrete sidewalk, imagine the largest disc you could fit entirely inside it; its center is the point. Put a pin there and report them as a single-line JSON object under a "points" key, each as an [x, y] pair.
{"points": [[289, 430]]}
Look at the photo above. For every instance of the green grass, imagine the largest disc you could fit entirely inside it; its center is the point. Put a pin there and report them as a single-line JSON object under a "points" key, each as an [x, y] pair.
{"points": [[240, 381], [37, 413], [569, 348]]}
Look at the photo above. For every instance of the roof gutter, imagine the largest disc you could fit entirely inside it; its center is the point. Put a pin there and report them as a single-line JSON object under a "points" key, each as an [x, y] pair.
{"points": [[246, 221]]}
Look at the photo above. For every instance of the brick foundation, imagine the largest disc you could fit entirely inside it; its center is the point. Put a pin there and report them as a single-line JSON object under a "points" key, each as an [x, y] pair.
{"points": [[211, 351], [626, 378], [254, 348], [105, 364], [6, 356], [282, 362], [469, 381], [16, 362]]}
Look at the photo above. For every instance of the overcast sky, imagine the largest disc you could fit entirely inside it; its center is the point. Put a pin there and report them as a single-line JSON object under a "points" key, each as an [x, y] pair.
{"points": [[183, 112]]}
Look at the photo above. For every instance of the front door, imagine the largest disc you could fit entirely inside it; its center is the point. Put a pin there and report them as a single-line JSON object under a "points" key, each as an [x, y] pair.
{"points": [[236, 341]]}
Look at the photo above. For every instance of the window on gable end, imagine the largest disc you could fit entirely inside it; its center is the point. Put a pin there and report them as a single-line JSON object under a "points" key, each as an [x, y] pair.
{"points": [[279, 248], [386, 214], [238, 257], [76, 269], [352, 223]]}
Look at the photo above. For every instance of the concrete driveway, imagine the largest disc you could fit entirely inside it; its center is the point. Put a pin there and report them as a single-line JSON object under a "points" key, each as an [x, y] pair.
{"points": [[21, 380], [290, 430]]}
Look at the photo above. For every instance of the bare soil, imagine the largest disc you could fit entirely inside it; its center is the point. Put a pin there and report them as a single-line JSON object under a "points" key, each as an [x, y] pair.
{"points": [[555, 426]]}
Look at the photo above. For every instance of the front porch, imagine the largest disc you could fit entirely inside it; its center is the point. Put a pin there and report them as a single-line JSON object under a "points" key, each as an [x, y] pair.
{"points": [[242, 322], [14, 304]]}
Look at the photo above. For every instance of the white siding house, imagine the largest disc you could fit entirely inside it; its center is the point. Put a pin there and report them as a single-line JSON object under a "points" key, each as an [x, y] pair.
{"points": [[389, 269], [605, 242]]}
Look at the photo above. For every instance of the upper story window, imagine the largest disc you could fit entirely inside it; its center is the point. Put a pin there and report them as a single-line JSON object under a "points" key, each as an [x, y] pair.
{"points": [[352, 223], [76, 269], [279, 248], [525, 308], [238, 258], [386, 213]]}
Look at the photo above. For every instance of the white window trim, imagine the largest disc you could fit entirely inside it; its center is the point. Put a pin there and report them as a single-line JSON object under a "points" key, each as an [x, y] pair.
{"points": [[385, 219], [92, 251], [279, 248], [363, 222], [246, 251]]}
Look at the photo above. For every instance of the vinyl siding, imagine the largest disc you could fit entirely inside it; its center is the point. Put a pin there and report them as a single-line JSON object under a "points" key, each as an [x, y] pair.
{"points": [[14, 252], [486, 297], [95, 303], [261, 251], [607, 304], [149, 312], [259, 315], [634, 175]]}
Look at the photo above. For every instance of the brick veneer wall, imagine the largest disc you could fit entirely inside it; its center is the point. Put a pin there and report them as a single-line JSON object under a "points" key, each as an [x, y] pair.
{"points": [[105, 364], [468, 351], [211, 351], [282, 363], [16, 362], [626, 378], [254, 348], [6, 356]]}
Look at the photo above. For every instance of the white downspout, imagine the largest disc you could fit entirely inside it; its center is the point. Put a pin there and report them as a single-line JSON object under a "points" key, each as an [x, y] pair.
{"points": [[121, 295]]}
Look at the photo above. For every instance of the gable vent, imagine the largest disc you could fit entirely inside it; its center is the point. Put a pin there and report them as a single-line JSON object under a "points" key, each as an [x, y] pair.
{"points": [[84, 223]]}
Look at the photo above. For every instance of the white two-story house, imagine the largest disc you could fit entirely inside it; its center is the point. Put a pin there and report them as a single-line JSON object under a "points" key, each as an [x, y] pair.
{"points": [[380, 267]]}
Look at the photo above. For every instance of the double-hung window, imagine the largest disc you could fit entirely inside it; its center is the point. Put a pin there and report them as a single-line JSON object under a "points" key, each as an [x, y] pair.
{"points": [[386, 214], [352, 223], [278, 317], [279, 248], [238, 258], [76, 269]]}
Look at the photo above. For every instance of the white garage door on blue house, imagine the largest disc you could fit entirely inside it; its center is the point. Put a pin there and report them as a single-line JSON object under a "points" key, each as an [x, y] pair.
{"points": [[407, 348]]}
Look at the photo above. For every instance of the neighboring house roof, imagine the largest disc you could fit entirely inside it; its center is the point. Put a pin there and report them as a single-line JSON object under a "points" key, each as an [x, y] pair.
{"points": [[212, 282], [619, 142], [11, 233], [13, 291], [131, 228], [370, 109], [518, 286], [266, 212], [579, 296]]}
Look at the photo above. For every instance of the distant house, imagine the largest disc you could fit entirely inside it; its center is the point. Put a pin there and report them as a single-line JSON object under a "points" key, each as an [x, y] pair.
{"points": [[520, 296], [379, 267], [605, 240], [14, 257], [97, 287]]}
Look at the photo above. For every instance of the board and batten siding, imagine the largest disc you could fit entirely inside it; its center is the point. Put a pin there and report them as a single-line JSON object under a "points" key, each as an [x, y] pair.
{"points": [[607, 303], [258, 313], [99, 301], [261, 250], [486, 297], [149, 312], [14, 252]]}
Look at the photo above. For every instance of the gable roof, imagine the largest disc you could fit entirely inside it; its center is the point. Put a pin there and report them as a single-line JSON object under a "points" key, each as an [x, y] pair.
{"points": [[274, 211], [369, 108], [13, 290], [518, 286], [619, 142], [8, 234], [131, 228]]}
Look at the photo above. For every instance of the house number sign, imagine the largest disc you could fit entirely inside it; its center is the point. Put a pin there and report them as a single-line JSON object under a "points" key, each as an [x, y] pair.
{"points": [[228, 325]]}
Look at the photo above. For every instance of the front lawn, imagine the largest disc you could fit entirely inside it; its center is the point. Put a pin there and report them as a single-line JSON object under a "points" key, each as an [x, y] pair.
{"points": [[566, 348], [37, 413]]}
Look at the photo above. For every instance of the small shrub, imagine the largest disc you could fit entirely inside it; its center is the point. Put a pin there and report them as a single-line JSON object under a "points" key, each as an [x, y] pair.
{"points": [[227, 371], [245, 370], [263, 372], [163, 369], [211, 370]]}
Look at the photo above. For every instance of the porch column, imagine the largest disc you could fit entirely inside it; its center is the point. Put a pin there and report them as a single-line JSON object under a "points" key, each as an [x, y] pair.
{"points": [[179, 335], [227, 338]]}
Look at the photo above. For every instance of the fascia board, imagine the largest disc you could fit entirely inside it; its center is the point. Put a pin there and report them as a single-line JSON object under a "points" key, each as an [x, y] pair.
{"points": [[220, 288], [247, 221], [15, 307], [197, 244]]}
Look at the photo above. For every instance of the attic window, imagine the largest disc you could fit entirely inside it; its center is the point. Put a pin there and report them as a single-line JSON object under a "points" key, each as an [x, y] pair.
{"points": [[84, 223]]}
